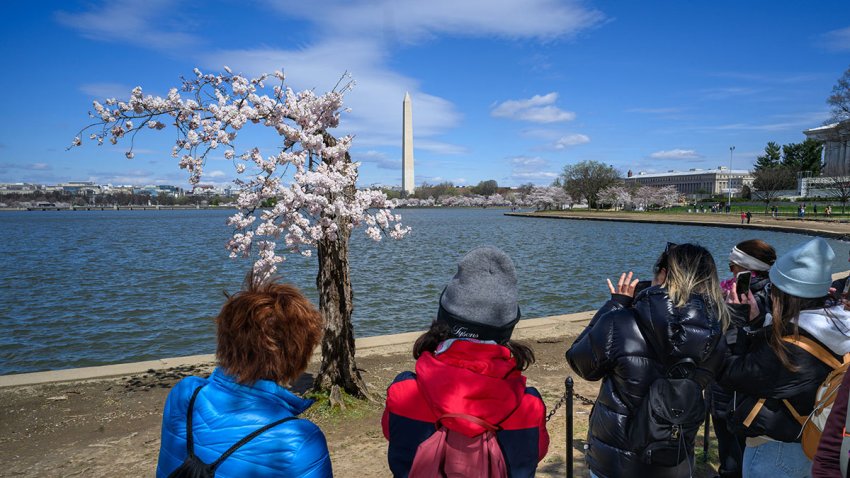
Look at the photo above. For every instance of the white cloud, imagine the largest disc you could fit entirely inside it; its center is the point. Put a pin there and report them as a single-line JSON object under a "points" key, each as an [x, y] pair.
{"points": [[571, 140], [375, 101], [530, 168], [350, 36], [837, 40], [537, 109], [528, 162], [781, 123], [410, 21], [106, 90], [215, 174], [379, 159], [676, 154], [532, 175], [659, 111], [727, 92], [27, 167], [439, 147], [152, 24]]}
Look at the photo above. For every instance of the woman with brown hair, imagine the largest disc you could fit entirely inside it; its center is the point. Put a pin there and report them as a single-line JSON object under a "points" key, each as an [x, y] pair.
{"points": [[755, 257], [776, 370], [242, 421]]}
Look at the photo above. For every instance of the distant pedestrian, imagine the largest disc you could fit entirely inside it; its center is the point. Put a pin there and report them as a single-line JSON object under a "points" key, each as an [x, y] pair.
{"points": [[749, 216], [743, 217], [815, 209]]}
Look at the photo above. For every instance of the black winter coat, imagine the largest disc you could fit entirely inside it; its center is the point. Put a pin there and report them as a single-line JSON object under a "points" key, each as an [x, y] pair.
{"points": [[754, 371], [721, 399], [613, 349]]}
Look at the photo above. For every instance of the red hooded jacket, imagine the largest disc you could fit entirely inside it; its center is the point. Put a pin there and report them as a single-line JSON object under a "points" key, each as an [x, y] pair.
{"points": [[474, 378]]}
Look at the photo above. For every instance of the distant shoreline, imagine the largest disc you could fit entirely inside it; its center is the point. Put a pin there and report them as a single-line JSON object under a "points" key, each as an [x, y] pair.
{"points": [[112, 208], [839, 230]]}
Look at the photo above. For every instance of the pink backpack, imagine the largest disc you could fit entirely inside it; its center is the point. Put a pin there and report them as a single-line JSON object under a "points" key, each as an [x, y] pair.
{"points": [[451, 454]]}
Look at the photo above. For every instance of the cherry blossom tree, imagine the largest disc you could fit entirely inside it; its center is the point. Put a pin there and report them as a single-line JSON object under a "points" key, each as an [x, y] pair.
{"points": [[310, 177], [548, 197], [668, 196], [616, 196]]}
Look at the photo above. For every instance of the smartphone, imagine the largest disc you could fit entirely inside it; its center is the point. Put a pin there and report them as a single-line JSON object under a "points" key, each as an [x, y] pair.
{"points": [[742, 282], [645, 284], [846, 289]]}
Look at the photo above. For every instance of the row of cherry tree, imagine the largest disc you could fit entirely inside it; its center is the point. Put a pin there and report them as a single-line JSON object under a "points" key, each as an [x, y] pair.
{"points": [[644, 197], [540, 198]]}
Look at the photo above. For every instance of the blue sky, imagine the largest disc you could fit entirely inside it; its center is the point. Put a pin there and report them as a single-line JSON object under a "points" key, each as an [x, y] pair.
{"points": [[510, 90]]}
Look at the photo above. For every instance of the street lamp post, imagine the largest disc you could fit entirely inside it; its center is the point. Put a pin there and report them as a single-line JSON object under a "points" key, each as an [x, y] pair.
{"points": [[729, 178]]}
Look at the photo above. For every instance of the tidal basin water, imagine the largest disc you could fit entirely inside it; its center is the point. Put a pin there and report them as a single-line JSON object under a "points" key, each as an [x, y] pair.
{"points": [[100, 287]]}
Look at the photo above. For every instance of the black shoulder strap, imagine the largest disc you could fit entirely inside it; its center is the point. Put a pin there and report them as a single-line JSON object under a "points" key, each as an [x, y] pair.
{"points": [[248, 438], [190, 442]]}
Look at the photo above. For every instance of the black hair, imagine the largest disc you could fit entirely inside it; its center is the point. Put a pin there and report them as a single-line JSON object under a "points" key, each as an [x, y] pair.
{"points": [[441, 331]]}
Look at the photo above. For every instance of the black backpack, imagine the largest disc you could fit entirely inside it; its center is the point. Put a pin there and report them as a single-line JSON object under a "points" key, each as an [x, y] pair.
{"points": [[667, 421], [192, 466]]}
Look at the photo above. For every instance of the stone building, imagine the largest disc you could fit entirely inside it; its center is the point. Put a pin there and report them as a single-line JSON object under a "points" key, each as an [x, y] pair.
{"points": [[836, 153], [696, 182]]}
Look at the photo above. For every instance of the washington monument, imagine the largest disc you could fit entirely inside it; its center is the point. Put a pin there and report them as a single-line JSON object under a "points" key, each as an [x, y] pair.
{"points": [[407, 147]]}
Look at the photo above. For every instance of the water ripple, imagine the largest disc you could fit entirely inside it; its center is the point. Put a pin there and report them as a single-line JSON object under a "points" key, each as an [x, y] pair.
{"points": [[97, 287]]}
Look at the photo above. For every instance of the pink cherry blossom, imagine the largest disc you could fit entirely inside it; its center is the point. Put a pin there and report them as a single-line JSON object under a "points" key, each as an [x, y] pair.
{"points": [[312, 178]]}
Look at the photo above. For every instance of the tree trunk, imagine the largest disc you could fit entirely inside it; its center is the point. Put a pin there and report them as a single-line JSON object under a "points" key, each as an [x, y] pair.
{"points": [[339, 368], [336, 303]]}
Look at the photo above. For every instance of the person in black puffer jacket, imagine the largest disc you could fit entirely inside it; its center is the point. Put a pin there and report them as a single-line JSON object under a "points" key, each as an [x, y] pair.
{"points": [[683, 313], [754, 256], [771, 376]]}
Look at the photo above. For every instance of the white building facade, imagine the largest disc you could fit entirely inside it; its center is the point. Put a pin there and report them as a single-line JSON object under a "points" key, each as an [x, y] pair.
{"points": [[697, 182]]}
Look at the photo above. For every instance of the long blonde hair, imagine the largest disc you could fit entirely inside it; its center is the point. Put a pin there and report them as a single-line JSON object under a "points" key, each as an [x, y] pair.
{"points": [[691, 270]]}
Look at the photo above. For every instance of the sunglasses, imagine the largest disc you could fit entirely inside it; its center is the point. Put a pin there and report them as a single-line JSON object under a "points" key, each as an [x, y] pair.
{"points": [[662, 261]]}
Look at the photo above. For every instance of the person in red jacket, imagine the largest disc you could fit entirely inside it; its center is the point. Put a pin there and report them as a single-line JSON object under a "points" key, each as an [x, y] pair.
{"points": [[468, 364], [827, 461]]}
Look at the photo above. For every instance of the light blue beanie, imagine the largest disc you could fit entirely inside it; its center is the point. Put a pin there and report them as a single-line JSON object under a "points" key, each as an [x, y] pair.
{"points": [[804, 271]]}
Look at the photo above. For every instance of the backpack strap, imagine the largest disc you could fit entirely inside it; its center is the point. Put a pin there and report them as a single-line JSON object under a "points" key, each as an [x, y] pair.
{"points": [[815, 349], [754, 413], [248, 438], [472, 419], [190, 442], [801, 419]]}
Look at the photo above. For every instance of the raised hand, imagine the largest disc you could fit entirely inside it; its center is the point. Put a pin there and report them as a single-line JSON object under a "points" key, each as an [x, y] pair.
{"points": [[625, 286]]}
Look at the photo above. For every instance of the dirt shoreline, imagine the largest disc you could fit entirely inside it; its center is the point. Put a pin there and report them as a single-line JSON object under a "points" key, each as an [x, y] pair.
{"points": [[94, 427], [833, 229]]}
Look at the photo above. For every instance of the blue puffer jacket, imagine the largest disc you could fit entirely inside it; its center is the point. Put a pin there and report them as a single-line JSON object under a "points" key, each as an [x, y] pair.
{"points": [[225, 412]]}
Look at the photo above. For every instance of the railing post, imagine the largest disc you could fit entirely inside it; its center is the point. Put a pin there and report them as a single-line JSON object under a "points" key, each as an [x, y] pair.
{"points": [[569, 404], [705, 443]]}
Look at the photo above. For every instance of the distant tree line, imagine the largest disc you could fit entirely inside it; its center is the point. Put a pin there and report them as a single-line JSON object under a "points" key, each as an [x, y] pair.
{"points": [[120, 199]]}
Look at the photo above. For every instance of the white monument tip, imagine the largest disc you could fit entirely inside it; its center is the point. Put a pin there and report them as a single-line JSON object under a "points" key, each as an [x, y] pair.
{"points": [[406, 96]]}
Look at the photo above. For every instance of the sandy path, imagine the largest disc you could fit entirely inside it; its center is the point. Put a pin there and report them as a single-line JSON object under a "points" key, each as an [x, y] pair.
{"points": [[96, 427]]}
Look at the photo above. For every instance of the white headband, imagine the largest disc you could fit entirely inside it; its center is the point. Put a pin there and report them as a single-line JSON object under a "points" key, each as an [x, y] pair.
{"points": [[747, 261]]}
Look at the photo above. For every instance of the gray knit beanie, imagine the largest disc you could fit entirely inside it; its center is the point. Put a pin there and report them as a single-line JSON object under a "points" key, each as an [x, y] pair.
{"points": [[804, 271], [480, 301]]}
